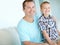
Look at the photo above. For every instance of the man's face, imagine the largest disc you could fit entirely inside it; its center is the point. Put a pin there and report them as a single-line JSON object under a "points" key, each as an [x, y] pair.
{"points": [[45, 9], [29, 9]]}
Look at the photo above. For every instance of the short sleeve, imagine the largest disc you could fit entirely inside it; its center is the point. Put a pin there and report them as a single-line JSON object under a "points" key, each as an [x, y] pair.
{"points": [[24, 36], [23, 33], [41, 25]]}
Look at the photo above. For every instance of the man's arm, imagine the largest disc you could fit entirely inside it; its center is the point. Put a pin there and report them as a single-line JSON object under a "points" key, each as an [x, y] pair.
{"points": [[31, 43], [58, 32], [54, 18], [47, 38]]}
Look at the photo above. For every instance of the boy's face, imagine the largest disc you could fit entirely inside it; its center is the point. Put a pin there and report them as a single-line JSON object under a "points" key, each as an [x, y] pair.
{"points": [[29, 9], [45, 9]]}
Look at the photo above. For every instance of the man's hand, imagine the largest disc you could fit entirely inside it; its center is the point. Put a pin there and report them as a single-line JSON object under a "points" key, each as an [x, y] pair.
{"points": [[31, 43], [45, 44], [53, 43]]}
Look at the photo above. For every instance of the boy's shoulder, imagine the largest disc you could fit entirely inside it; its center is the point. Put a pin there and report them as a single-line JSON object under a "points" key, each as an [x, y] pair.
{"points": [[41, 17]]}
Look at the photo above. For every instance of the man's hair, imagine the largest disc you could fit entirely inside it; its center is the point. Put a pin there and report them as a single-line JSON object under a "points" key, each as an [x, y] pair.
{"points": [[25, 2], [44, 3]]}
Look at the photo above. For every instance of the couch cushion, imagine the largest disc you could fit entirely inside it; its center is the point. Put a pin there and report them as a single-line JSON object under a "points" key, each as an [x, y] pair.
{"points": [[9, 36]]}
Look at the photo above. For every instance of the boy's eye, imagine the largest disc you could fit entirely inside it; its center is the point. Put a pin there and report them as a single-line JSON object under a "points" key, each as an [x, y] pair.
{"points": [[44, 8], [33, 7]]}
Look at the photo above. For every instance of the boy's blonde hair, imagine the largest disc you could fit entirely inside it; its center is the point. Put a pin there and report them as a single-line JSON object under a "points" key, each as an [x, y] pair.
{"points": [[44, 3]]}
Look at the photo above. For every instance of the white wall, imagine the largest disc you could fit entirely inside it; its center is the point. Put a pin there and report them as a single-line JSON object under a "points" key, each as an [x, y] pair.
{"points": [[10, 13]]}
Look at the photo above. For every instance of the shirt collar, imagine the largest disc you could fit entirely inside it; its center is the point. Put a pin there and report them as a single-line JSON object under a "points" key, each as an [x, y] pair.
{"points": [[46, 17]]}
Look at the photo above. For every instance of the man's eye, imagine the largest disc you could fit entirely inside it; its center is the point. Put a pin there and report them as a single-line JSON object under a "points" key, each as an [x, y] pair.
{"points": [[28, 7], [48, 7]]}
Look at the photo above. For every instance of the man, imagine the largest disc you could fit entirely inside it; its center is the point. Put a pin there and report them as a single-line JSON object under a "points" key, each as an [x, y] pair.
{"points": [[28, 26]]}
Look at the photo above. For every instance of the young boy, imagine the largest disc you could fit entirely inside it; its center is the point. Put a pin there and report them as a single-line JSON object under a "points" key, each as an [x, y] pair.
{"points": [[47, 24]]}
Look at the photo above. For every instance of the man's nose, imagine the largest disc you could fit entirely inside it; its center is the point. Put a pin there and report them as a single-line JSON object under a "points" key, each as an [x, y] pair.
{"points": [[31, 9]]}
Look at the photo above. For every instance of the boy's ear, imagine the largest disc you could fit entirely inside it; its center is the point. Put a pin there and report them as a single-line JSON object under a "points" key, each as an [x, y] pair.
{"points": [[40, 9]]}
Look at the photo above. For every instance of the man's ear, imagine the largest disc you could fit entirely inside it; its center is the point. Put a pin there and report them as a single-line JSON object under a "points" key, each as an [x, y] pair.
{"points": [[24, 10]]}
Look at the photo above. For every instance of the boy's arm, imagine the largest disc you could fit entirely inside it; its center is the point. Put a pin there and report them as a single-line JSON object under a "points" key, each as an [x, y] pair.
{"points": [[47, 38]]}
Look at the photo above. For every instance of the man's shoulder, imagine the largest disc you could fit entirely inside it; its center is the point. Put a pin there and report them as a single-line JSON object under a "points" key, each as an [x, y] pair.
{"points": [[20, 23]]}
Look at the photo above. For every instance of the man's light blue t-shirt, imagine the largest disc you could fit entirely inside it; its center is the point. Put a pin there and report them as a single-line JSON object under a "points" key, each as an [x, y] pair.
{"points": [[29, 31]]}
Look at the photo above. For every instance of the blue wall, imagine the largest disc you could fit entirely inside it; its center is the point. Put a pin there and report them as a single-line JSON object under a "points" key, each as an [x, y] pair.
{"points": [[37, 3], [55, 8]]}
